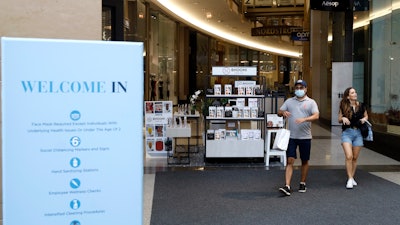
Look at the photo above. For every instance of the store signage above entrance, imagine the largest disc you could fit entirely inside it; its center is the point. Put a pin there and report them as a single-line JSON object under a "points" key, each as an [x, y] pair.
{"points": [[361, 5], [340, 5], [274, 30], [330, 5], [234, 71], [301, 36]]}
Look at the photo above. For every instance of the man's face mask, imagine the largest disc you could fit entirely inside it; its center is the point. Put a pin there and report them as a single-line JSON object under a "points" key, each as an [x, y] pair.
{"points": [[299, 92]]}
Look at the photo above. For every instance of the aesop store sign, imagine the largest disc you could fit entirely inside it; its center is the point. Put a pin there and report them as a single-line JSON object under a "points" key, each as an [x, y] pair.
{"points": [[330, 5]]}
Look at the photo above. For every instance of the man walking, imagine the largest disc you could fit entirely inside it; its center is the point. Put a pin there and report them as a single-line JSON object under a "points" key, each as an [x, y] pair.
{"points": [[299, 111]]}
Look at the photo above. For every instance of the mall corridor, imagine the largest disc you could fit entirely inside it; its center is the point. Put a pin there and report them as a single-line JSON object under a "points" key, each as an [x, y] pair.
{"points": [[326, 154]]}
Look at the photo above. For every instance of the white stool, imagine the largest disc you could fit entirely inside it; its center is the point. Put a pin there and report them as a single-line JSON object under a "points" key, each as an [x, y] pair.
{"points": [[273, 152]]}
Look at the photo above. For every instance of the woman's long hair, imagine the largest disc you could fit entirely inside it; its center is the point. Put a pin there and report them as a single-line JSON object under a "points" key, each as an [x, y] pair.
{"points": [[345, 106]]}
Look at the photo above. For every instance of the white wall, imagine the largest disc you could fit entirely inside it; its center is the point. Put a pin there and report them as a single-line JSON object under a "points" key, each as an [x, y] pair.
{"points": [[60, 19], [69, 19]]}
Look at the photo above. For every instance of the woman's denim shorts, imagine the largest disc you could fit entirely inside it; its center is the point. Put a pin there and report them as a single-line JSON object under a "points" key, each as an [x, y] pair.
{"points": [[352, 136]]}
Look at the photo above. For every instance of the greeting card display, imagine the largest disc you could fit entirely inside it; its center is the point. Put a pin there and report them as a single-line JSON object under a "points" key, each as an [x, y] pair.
{"points": [[157, 116], [273, 120]]}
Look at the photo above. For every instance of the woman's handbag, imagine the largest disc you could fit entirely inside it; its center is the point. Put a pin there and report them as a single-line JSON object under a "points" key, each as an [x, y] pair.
{"points": [[366, 131], [282, 137]]}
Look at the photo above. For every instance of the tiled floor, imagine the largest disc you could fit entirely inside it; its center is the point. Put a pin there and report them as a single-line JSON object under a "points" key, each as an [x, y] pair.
{"points": [[326, 153]]}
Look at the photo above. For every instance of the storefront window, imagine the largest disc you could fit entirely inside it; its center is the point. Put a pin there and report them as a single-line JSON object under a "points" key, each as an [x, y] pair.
{"points": [[385, 76], [135, 24], [248, 57], [224, 54], [202, 60], [267, 68], [106, 24], [162, 57]]}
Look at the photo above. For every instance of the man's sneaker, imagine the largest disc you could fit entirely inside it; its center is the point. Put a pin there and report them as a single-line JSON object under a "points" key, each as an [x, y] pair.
{"points": [[349, 184], [302, 187], [285, 190]]}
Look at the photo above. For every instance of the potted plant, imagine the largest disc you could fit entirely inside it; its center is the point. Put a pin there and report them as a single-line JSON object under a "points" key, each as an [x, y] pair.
{"points": [[196, 101]]}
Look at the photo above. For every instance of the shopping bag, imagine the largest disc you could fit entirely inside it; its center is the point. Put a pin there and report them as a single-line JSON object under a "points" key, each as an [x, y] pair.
{"points": [[281, 139], [370, 135]]}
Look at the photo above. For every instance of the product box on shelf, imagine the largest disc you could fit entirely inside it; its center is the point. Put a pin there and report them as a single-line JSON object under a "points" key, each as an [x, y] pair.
{"points": [[250, 134], [240, 102], [212, 111], [244, 134], [210, 134], [241, 90], [258, 90], [231, 134], [246, 112], [235, 112], [257, 134], [249, 90], [228, 89], [220, 134], [252, 102], [253, 112], [217, 89], [240, 112], [228, 111], [220, 112], [217, 135]]}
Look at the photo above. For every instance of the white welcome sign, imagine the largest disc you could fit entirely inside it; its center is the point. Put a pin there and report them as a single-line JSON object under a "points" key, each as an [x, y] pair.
{"points": [[72, 132]]}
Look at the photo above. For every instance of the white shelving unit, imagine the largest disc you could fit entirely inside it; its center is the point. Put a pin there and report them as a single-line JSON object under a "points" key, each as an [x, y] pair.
{"points": [[236, 147]]}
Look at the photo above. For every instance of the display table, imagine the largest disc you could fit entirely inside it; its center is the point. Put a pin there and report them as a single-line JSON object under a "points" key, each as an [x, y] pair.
{"points": [[196, 117], [178, 132]]}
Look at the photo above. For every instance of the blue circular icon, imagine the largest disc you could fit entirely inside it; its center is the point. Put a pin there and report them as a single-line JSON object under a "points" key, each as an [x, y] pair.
{"points": [[75, 162], [75, 141], [75, 183], [75, 222], [75, 115], [75, 204]]}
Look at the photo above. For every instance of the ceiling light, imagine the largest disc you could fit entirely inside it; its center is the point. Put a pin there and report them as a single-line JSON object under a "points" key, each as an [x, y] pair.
{"points": [[141, 15], [208, 15], [203, 26]]}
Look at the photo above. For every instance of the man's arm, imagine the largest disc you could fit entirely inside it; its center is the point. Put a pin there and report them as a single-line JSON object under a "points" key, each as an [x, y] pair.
{"points": [[311, 118]]}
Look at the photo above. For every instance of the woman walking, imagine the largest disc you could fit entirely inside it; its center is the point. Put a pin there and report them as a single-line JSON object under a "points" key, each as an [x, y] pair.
{"points": [[352, 114]]}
